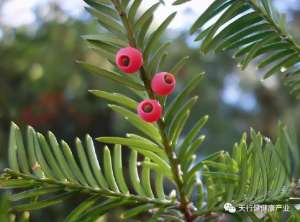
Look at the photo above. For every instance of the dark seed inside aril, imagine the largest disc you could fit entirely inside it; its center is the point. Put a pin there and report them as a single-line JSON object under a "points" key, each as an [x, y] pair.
{"points": [[168, 79], [147, 108], [125, 60]]}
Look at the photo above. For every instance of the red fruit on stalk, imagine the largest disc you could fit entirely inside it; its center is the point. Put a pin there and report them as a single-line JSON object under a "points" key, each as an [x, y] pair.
{"points": [[149, 110], [163, 83], [129, 60]]}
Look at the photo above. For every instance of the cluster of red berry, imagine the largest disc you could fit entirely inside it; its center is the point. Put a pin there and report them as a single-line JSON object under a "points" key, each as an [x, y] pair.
{"points": [[130, 60]]}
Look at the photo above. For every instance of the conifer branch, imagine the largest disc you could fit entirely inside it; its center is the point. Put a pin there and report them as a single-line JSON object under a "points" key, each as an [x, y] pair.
{"points": [[253, 28], [72, 187], [185, 203]]}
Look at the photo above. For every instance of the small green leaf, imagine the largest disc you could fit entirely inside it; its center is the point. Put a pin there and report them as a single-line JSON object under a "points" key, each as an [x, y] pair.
{"points": [[159, 160], [236, 43], [12, 147], [179, 65], [133, 10], [184, 110], [236, 8], [283, 65], [243, 171], [112, 76], [274, 46], [124, 4], [148, 129], [109, 48], [146, 16], [17, 183], [103, 8], [21, 152], [73, 164], [83, 207], [92, 156], [48, 155], [97, 211], [223, 176], [275, 57], [85, 164], [41, 161], [159, 186], [199, 165], [108, 170], [177, 128], [118, 169], [179, 2], [117, 98], [105, 21], [132, 142], [35, 193], [252, 53], [136, 211], [146, 181], [157, 57], [190, 151], [240, 24], [106, 37], [60, 158], [133, 173], [142, 34], [44, 203], [191, 135], [31, 137], [161, 62], [177, 102], [155, 36], [216, 7]]}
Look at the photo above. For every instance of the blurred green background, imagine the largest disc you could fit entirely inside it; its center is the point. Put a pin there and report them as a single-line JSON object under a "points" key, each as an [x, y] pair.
{"points": [[41, 84]]}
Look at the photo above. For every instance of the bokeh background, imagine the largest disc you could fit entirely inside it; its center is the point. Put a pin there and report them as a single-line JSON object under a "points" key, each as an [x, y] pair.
{"points": [[41, 84]]}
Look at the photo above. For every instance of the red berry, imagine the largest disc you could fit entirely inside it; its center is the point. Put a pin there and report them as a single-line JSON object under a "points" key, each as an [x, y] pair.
{"points": [[163, 83], [149, 110], [129, 60]]}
